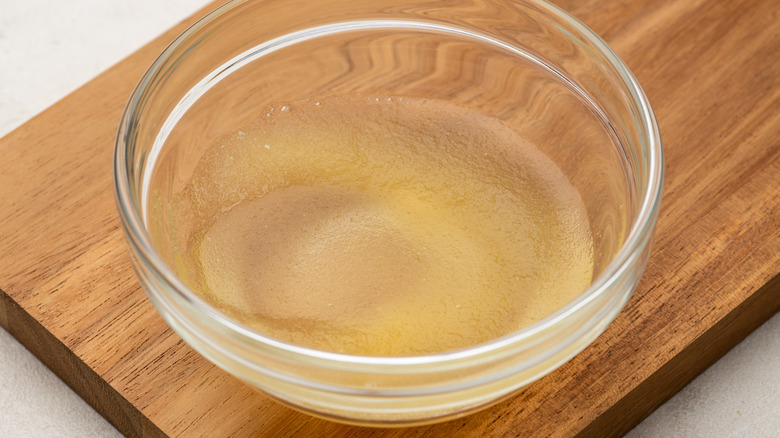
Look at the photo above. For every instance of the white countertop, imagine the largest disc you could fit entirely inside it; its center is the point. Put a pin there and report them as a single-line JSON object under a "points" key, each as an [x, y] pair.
{"points": [[48, 48]]}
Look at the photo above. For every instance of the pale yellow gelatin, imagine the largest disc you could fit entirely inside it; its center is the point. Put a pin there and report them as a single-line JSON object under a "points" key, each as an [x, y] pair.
{"points": [[382, 226]]}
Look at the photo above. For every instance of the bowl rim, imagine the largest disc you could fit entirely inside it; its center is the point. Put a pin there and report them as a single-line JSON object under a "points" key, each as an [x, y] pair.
{"points": [[631, 249]]}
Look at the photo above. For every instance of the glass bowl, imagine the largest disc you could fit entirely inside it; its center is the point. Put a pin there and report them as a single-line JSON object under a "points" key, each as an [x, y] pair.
{"points": [[528, 64]]}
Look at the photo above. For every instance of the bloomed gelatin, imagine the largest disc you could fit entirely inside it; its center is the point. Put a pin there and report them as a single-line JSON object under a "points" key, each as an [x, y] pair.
{"points": [[381, 226]]}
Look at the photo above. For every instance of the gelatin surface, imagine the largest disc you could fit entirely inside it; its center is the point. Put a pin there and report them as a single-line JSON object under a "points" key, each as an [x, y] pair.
{"points": [[381, 226]]}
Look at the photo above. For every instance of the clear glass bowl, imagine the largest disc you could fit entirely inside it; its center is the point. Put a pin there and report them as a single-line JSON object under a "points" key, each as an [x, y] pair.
{"points": [[527, 63]]}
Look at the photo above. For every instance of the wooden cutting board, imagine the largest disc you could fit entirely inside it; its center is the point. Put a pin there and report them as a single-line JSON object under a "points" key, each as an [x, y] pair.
{"points": [[712, 72]]}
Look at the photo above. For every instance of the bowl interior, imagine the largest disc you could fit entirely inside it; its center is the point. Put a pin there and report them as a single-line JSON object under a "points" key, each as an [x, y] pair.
{"points": [[412, 59], [559, 97]]}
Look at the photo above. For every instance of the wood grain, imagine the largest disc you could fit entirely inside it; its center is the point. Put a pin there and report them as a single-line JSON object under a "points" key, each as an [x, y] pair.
{"points": [[712, 72]]}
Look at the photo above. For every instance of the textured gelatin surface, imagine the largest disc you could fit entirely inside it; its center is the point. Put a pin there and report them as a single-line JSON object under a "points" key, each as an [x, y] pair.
{"points": [[381, 226]]}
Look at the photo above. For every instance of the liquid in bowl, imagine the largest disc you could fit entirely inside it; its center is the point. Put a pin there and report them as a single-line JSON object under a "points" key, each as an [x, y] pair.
{"points": [[379, 226]]}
